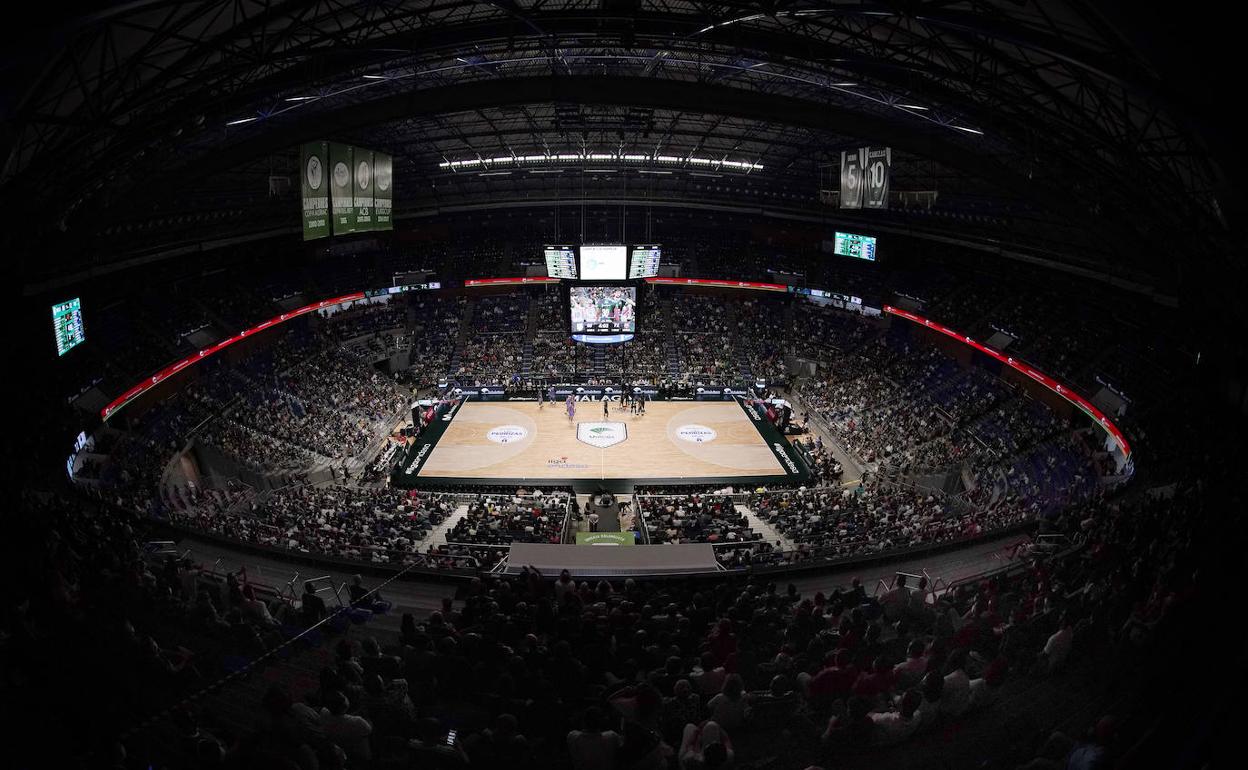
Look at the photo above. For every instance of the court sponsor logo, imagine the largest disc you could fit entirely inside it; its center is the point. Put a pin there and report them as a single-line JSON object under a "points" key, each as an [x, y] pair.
{"points": [[507, 434], [605, 538], [420, 457], [696, 434], [562, 462], [601, 434], [784, 456]]}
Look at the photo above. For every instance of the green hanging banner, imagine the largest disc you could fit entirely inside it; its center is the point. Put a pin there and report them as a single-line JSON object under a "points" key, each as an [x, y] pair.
{"points": [[314, 162], [342, 200], [383, 191], [362, 190]]}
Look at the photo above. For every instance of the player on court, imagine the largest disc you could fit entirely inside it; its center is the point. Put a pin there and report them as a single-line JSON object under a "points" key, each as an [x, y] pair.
{"points": [[541, 397], [605, 410], [571, 406]]}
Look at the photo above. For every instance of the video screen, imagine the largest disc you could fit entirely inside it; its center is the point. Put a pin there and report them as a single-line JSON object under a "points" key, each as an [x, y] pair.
{"points": [[604, 263], [560, 262], [67, 325], [856, 246], [603, 309], [645, 262]]}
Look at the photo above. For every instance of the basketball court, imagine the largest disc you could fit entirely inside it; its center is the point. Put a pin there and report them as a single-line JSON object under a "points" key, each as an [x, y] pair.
{"points": [[674, 442]]}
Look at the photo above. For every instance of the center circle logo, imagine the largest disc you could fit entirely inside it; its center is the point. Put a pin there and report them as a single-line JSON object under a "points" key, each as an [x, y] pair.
{"points": [[696, 434], [314, 172], [507, 434], [342, 174]]}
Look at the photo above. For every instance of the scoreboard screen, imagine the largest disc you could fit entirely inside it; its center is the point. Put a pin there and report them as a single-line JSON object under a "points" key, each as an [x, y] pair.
{"points": [[856, 246], [604, 263], [561, 262], [603, 309], [645, 262], [67, 325]]}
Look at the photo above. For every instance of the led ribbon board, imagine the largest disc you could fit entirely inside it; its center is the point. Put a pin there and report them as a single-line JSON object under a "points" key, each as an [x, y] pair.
{"points": [[1021, 366]]}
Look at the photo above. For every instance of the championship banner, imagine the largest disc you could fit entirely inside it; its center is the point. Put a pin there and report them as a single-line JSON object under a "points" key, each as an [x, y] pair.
{"points": [[341, 201], [851, 178], [383, 192], [879, 166], [314, 161], [362, 189]]}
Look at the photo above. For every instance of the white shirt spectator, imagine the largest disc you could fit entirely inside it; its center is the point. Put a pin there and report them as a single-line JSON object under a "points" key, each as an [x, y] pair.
{"points": [[590, 750], [956, 696], [350, 732], [1057, 648], [892, 728]]}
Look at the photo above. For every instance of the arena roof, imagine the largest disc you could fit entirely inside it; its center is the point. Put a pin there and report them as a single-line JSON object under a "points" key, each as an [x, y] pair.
{"points": [[1036, 124]]}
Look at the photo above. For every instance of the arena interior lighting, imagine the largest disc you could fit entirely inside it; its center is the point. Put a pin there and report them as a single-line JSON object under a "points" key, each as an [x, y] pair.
{"points": [[690, 161]]}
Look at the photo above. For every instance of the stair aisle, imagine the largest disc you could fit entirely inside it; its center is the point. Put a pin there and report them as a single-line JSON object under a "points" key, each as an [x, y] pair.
{"points": [[768, 532]]}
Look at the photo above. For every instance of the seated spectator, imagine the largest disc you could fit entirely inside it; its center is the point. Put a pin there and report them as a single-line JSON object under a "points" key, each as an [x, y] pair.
{"points": [[254, 610], [893, 727], [833, 682], [896, 600], [374, 662], [956, 692], [361, 596], [911, 670], [929, 711], [731, 707], [1057, 648], [705, 748], [875, 685], [498, 745], [348, 731], [775, 706], [312, 607], [709, 676], [594, 747], [431, 748], [853, 728], [683, 707]]}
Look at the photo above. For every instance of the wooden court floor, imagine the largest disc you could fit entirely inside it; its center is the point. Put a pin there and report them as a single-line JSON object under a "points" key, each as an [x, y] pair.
{"points": [[674, 439]]}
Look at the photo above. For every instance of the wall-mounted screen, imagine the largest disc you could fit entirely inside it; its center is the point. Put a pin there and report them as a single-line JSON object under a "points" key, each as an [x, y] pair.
{"points": [[603, 309], [644, 262], [560, 262], [856, 246], [604, 263], [67, 325]]}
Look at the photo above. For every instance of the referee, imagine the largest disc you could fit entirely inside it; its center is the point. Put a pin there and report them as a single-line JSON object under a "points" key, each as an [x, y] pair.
{"points": [[605, 406]]}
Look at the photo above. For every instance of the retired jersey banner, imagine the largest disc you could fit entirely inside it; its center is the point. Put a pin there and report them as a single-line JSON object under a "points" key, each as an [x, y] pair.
{"points": [[314, 162], [341, 200], [851, 179], [879, 166], [383, 191], [362, 189]]}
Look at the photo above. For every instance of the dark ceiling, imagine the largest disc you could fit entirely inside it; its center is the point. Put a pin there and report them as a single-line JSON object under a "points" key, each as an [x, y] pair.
{"points": [[1038, 125]]}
